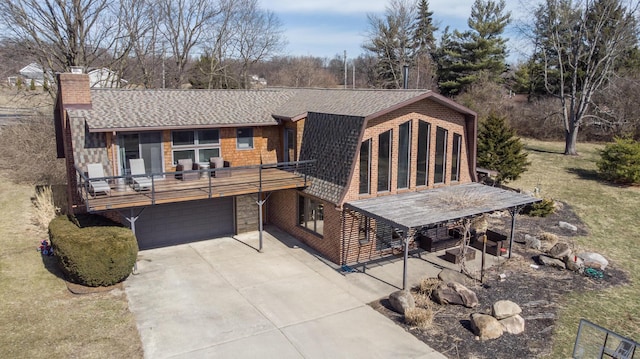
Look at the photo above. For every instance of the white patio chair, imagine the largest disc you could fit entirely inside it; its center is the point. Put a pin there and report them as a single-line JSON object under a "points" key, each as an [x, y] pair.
{"points": [[142, 182], [95, 170]]}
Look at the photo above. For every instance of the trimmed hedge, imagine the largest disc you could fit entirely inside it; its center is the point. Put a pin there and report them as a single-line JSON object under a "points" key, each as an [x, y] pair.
{"points": [[93, 256]]}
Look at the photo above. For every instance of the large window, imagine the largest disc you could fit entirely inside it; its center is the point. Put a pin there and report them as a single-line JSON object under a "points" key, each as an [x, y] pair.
{"points": [[455, 157], [311, 214], [199, 145], [365, 167], [422, 160], [244, 138], [146, 145], [404, 154], [384, 161], [441, 155], [289, 145]]}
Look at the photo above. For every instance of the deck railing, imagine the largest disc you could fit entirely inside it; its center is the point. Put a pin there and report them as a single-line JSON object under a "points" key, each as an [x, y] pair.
{"points": [[210, 183]]}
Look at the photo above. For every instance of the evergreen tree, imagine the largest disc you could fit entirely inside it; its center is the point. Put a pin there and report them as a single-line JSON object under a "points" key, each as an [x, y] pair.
{"points": [[500, 150], [464, 56], [424, 45]]}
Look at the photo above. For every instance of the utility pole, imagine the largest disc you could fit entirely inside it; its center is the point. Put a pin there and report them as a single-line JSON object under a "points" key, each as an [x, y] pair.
{"points": [[345, 69]]}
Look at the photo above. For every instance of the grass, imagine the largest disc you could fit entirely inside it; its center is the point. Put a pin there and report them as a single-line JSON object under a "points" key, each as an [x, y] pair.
{"points": [[39, 317], [612, 216]]}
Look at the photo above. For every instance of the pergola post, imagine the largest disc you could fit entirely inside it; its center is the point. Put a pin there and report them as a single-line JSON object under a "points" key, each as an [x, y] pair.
{"points": [[514, 212]]}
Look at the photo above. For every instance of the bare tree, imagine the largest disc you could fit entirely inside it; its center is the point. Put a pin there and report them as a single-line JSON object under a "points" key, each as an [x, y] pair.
{"points": [[257, 35], [61, 34], [579, 43], [183, 24]]}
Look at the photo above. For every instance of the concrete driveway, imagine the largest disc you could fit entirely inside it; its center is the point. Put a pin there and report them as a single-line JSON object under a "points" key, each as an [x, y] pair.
{"points": [[221, 298]]}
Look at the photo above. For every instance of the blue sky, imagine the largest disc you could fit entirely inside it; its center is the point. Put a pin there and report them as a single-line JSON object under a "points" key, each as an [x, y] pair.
{"points": [[326, 28]]}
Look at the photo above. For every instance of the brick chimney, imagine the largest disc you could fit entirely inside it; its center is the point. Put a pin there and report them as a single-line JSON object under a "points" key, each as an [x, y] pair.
{"points": [[74, 92]]}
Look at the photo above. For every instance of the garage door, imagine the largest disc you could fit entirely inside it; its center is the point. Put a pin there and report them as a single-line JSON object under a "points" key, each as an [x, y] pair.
{"points": [[177, 223]]}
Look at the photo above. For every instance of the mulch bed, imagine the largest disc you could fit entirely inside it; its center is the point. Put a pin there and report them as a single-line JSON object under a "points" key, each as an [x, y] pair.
{"points": [[537, 290]]}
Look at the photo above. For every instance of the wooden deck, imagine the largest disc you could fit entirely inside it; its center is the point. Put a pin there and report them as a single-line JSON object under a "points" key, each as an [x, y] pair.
{"points": [[170, 189]]}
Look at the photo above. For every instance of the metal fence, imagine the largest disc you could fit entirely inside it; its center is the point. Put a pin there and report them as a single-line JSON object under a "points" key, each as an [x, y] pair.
{"points": [[594, 341]]}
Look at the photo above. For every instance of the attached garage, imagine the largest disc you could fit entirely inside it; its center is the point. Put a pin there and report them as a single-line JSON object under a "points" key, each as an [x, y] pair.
{"points": [[183, 222]]}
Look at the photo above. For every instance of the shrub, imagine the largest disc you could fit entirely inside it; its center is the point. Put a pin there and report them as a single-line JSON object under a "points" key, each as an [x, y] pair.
{"points": [[427, 285], [45, 206], [93, 256], [620, 161], [419, 317], [500, 150], [540, 209]]}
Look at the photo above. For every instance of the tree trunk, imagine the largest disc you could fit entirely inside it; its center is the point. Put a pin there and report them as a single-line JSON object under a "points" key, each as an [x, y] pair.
{"points": [[571, 137]]}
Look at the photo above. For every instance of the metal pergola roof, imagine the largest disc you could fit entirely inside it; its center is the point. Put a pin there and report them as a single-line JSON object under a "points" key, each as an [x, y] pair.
{"points": [[419, 209]]}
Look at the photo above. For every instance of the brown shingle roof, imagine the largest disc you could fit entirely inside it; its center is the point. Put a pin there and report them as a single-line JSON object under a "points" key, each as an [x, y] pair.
{"points": [[114, 109]]}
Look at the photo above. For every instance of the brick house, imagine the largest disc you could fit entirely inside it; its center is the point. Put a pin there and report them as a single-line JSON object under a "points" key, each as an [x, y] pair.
{"points": [[314, 162]]}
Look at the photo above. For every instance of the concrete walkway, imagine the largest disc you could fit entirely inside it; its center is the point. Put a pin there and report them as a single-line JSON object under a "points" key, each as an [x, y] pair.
{"points": [[221, 298]]}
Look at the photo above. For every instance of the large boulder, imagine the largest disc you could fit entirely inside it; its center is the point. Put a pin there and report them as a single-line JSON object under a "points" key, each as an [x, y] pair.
{"points": [[568, 226], [455, 293], [505, 309], [594, 260], [449, 275], [513, 325], [401, 300], [574, 263], [486, 326], [532, 242], [560, 251], [551, 262]]}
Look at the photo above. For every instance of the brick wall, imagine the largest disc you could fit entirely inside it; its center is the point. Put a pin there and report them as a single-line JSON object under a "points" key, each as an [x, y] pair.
{"points": [[283, 212], [246, 214], [425, 110]]}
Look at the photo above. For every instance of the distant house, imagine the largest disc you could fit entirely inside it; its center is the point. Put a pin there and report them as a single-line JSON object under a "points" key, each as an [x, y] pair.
{"points": [[103, 77], [34, 72]]}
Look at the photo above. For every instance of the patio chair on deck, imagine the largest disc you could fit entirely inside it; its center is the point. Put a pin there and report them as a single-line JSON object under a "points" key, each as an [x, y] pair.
{"points": [[185, 166], [95, 170], [142, 181], [218, 163]]}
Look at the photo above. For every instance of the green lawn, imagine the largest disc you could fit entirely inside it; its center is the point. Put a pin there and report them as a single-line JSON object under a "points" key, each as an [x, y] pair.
{"points": [[39, 317], [612, 214]]}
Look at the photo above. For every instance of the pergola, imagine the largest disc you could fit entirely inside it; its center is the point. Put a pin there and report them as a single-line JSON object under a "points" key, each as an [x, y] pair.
{"points": [[412, 211]]}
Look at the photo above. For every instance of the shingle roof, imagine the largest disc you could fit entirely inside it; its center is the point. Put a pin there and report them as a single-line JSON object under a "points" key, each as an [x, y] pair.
{"points": [[345, 102], [114, 109], [117, 109]]}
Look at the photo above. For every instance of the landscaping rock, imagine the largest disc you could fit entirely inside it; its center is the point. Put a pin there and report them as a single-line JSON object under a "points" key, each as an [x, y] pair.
{"points": [[594, 260], [401, 300], [455, 293], [533, 242], [569, 226], [574, 263], [551, 262], [448, 275], [560, 251], [505, 309], [513, 325], [486, 326]]}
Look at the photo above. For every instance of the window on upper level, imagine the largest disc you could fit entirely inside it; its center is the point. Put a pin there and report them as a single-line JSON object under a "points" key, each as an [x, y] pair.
{"points": [[198, 145], [365, 167], [455, 157], [404, 154], [384, 161], [244, 138], [441, 155], [422, 158]]}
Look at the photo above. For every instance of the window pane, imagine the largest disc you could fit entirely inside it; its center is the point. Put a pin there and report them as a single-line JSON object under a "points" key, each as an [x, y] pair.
{"points": [[365, 166], [244, 138], [441, 155], [180, 155], [301, 208], [182, 138], [319, 218], [404, 141], [204, 154], [424, 134], [455, 157], [208, 137], [384, 161]]}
